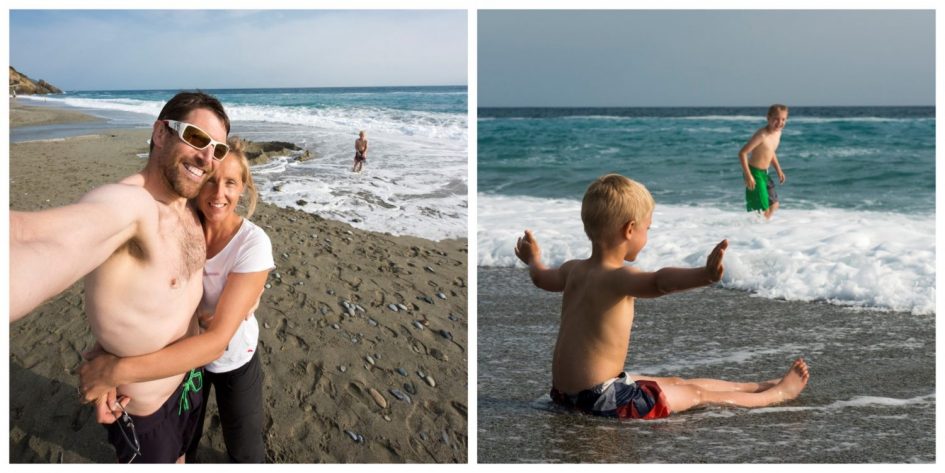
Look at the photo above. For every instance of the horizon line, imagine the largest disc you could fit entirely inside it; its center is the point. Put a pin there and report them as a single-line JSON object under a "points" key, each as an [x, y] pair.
{"points": [[263, 88], [682, 106]]}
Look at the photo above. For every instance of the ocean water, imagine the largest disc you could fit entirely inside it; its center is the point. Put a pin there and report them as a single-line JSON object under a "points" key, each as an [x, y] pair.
{"points": [[857, 221], [415, 179], [871, 396]]}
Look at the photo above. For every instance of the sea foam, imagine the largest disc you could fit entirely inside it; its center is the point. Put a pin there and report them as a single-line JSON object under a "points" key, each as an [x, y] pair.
{"points": [[854, 258], [414, 182]]}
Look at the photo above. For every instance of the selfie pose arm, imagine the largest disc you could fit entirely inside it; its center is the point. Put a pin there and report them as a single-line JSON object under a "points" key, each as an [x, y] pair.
{"points": [[52, 249]]}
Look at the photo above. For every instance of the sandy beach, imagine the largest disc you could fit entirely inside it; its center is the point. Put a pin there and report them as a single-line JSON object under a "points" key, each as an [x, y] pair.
{"points": [[347, 313], [26, 115]]}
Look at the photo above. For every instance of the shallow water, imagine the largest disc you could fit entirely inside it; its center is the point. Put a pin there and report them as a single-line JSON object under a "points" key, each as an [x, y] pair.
{"points": [[871, 397], [414, 182]]}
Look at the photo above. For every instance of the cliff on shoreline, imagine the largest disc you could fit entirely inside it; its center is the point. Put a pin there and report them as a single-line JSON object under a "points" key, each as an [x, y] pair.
{"points": [[23, 85]]}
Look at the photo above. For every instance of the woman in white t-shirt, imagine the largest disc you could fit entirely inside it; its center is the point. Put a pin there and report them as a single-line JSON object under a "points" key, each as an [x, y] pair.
{"points": [[239, 258]]}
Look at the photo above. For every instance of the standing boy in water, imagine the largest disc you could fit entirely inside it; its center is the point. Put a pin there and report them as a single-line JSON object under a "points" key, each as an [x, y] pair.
{"points": [[760, 194], [597, 316], [360, 152]]}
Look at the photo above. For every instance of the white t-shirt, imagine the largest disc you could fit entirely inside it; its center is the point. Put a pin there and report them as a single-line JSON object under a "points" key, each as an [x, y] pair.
{"points": [[249, 251]]}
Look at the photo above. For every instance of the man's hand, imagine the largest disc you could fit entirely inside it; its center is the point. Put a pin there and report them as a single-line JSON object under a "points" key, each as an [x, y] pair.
{"points": [[95, 374], [713, 264], [526, 248], [750, 182], [781, 176], [107, 409]]}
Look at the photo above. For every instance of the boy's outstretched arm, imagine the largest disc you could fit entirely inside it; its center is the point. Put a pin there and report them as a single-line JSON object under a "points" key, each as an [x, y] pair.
{"points": [[527, 250], [667, 280]]}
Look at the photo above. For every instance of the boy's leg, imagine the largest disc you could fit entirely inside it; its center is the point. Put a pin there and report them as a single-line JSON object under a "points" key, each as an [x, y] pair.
{"points": [[770, 211], [682, 397], [772, 197], [713, 384]]}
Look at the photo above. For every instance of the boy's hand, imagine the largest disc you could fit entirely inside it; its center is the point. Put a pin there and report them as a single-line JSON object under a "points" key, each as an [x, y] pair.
{"points": [[526, 248], [713, 264], [749, 182]]}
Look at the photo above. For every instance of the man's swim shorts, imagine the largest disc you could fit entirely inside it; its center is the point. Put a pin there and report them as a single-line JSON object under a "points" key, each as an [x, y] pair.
{"points": [[764, 194], [619, 397], [166, 434]]}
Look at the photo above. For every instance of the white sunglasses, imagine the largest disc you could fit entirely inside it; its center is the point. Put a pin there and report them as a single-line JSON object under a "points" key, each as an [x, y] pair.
{"points": [[197, 138]]}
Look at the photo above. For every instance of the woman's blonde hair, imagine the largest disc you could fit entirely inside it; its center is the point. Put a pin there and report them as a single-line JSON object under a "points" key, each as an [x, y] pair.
{"points": [[610, 202], [238, 152]]}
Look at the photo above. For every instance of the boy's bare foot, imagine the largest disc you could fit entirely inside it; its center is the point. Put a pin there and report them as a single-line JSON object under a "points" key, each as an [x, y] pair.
{"points": [[794, 381]]}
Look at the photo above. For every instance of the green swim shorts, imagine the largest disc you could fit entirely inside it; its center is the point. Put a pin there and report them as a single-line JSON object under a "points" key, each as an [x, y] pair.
{"points": [[757, 198]]}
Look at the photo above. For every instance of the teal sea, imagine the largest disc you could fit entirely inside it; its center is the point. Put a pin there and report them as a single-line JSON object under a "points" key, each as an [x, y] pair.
{"points": [[415, 182], [859, 158], [857, 218], [843, 275]]}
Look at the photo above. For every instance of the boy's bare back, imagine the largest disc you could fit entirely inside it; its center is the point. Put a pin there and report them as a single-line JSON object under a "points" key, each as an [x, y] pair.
{"points": [[596, 319], [597, 306]]}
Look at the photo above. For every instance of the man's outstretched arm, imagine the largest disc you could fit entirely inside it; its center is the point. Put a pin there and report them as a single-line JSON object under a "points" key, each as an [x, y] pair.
{"points": [[52, 249]]}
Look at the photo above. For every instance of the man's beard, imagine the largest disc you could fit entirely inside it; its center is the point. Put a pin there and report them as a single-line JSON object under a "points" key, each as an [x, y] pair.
{"points": [[182, 185]]}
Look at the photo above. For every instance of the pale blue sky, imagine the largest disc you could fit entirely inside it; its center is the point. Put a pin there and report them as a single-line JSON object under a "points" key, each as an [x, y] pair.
{"points": [[171, 49], [705, 58]]}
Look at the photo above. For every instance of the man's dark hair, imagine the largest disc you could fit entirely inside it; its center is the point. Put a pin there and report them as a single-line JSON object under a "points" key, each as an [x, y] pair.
{"points": [[185, 102]]}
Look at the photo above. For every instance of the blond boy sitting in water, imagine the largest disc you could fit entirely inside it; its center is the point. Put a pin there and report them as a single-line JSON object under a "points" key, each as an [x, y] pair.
{"points": [[597, 316]]}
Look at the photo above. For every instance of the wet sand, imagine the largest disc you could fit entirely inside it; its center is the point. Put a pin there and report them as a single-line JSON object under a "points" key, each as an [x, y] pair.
{"points": [[328, 308], [870, 399], [26, 115]]}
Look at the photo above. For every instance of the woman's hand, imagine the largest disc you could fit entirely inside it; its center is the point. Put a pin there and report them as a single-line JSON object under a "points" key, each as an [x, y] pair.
{"points": [[96, 374]]}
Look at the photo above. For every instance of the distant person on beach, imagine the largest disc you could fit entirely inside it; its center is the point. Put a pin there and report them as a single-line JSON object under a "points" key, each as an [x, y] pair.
{"points": [[597, 316], [360, 152], [239, 258], [141, 249], [760, 193]]}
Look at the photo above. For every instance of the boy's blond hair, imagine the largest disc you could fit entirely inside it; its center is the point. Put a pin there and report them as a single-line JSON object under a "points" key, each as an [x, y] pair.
{"points": [[776, 108], [610, 202]]}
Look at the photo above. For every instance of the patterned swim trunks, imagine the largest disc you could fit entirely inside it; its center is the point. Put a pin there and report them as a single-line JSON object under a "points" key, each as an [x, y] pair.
{"points": [[619, 397]]}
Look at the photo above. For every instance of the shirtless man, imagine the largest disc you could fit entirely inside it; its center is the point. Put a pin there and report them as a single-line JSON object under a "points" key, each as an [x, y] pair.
{"points": [[760, 194], [141, 250], [360, 152]]}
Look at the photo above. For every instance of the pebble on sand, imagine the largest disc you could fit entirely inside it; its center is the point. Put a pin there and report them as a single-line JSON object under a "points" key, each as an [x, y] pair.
{"points": [[378, 398], [400, 395], [355, 436]]}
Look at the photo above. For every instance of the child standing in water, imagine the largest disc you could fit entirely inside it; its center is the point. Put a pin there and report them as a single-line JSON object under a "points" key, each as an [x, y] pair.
{"points": [[360, 152], [760, 193], [597, 316]]}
